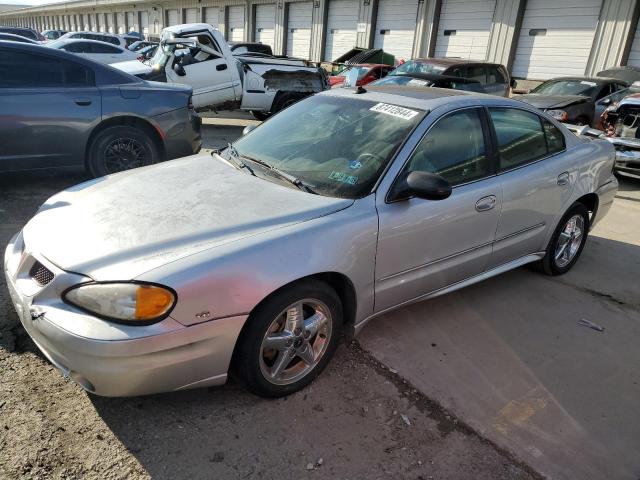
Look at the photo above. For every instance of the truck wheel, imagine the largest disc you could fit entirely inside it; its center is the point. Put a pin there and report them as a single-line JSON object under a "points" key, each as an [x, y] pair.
{"points": [[285, 100], [262, 116], [120, 148]]}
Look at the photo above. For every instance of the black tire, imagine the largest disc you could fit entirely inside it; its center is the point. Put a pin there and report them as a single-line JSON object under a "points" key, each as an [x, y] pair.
{"points": [[262, 116], [550, 264], [120, 148], [248, 360], [285, 100]]}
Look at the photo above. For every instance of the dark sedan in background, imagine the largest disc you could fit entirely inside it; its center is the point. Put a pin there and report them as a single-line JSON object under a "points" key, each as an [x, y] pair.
{"points": [[59, 110], [572, 99]]}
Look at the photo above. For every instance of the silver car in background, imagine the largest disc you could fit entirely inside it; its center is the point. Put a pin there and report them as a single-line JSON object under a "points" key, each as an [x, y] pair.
{"points": [[253, 260]]}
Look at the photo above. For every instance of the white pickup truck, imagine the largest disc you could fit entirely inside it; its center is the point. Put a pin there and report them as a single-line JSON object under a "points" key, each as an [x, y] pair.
{"points": [[196, 54]]}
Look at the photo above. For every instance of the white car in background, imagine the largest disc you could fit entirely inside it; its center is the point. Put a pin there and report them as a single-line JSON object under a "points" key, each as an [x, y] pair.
{"points": [[100, 52], [99, 36]]}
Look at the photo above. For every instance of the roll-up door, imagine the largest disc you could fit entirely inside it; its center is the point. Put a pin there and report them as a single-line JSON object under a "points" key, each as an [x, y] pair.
{"points": [[120, 21], [132, 22], [173, 17], [299, 29], [396, 27], [634, 54], [191, 15], [235, 28], [555, 38], [211, 16], [464, 28], [265, 24], [342, 28], [144, 23]]}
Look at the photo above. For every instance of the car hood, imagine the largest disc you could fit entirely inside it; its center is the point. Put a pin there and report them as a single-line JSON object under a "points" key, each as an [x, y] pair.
{"points": [[540, 100], [133, 67], [120, 226]]}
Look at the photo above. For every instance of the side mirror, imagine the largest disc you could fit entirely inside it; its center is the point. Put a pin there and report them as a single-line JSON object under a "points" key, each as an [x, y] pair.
{"points": [[179, 69], [427, 186], [248, 128]]}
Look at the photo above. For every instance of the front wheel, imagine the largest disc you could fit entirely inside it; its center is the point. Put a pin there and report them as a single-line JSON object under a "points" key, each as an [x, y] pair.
{"points": [[120, 148], [289, 339], [567, 241]]}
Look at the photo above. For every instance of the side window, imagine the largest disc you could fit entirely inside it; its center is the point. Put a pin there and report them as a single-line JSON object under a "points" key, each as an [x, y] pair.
{"points": [[555, 138], [606, 90], [100, 48], [494, 75], [520, 136], [478, 74], [25, 70], [453, 148]]}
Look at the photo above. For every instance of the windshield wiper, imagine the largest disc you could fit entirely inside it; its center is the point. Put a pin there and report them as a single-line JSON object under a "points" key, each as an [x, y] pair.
{"points": [[234, 156], [295, 181]]}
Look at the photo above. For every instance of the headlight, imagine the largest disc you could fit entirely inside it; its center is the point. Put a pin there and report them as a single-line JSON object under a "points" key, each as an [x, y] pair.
{"points": [[559, 115], [133, 303]]}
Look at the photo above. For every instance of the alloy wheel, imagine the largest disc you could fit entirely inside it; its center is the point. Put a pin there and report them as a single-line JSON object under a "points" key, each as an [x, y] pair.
{"points": [[295, 342], [124, 153], [569, 241]]}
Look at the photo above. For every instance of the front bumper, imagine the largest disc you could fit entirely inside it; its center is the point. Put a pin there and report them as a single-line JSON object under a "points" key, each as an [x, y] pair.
{"points": [[111, 359], [628, 161]]}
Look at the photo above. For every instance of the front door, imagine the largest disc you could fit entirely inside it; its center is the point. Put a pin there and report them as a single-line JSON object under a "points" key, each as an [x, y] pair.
{"points": [[206, 70], [426, 245], [47, 108]]}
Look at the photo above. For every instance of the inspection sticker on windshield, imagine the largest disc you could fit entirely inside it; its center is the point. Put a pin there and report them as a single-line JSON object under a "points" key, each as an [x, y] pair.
{"points": [[394, 110]]}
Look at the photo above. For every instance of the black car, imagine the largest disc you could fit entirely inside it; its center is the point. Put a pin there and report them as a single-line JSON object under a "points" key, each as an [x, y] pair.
{"points": [[475, 76], [572, 99], [60, 110], [23, 32]]}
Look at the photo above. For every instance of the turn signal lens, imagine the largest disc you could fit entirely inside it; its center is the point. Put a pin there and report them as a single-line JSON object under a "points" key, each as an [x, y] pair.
{"points": [[152, 302], [123, 302]]}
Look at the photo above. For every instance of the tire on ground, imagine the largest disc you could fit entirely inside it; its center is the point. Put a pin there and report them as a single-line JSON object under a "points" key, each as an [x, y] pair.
{"points": [[548, 263]]}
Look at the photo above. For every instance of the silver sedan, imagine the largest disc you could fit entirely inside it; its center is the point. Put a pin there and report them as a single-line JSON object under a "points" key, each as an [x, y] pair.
{"points": [[253, 260]]}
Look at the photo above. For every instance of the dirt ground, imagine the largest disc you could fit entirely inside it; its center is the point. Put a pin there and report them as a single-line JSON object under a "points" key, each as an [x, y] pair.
{"points": [[358, 420]]}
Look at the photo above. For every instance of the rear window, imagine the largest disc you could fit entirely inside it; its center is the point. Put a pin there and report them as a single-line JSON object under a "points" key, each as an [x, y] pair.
{"points": [[26, 70], [413, 66]]}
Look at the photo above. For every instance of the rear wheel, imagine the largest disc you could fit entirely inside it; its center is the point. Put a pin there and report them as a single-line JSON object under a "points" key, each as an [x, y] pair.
{"points": [[567, 241], [289, 339], [120, 148]]}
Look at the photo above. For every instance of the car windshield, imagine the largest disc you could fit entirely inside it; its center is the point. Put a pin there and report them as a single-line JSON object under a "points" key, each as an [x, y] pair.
{"points": [[359, 72], [336, 146], [585, 88], [165, 50], [414, 66]]}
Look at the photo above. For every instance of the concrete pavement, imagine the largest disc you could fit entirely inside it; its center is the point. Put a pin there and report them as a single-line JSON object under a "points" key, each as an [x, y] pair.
{"points": [[508, 357]]}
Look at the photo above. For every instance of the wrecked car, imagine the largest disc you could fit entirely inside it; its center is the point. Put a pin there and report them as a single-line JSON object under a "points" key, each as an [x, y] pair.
{"points": [[197, 55], [572, 99], [621, 125]]}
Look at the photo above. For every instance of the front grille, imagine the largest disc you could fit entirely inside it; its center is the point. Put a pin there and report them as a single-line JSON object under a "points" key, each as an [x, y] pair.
{"points": [[41, 274]]}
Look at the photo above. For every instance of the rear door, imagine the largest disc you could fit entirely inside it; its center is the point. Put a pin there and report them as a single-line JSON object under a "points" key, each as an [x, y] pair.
{"points": [[536, 179], [47, 108]]}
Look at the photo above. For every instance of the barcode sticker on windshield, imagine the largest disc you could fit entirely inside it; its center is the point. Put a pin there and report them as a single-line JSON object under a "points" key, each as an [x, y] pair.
{"points": [[394, 110]]}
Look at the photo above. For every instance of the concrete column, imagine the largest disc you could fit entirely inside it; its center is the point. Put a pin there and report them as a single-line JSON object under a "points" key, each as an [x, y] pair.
{"points": [[505, 29], [249, 21], [424, 44], [223, 21], [318, 29], [366, 23], [280, 30], [614, 34]]}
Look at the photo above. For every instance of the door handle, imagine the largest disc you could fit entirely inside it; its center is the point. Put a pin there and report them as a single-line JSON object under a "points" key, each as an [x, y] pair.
{"points": [[83, 102], [563, 179], [486, 203], [222, 66]]}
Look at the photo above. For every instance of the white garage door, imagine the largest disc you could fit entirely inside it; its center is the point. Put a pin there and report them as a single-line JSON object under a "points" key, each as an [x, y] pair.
{"points": [[464, 28], [191, 15], [144, 23], [265, 24], [109, 22], [132, 22], [342, 28], [120, 20], [396, 26], [299, 29], [173, 17], [211, 16], [634, 54], [555, 38], [236, 24]]}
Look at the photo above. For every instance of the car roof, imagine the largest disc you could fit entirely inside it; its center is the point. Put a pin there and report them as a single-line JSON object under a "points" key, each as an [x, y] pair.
{"points": [[66, 41], [189, 27], [450, 61], [105, 34], [22, 39], [598, 80]]}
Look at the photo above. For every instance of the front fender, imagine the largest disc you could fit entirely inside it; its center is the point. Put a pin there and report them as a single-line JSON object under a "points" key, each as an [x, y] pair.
{"points": [[232, 279]]}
